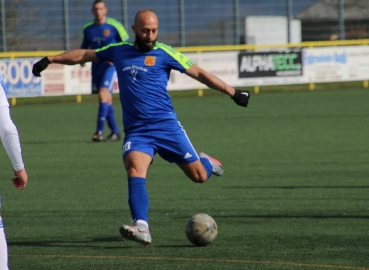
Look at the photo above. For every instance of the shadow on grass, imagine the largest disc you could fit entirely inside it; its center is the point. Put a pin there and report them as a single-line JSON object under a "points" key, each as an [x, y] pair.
{"points": [[58, 141], [85, 244], [294, 187], [283, 216], [176, 246], [294, 216], [76, 243]]}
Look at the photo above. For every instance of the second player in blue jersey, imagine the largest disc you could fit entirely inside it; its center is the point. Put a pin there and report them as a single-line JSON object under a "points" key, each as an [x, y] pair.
{"points": [[98, 33]]}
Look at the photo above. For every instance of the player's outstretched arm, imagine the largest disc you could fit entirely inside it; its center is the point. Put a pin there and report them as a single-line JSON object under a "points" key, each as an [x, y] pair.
{"points": [[240, 97], [72, 57], [209, 80]]}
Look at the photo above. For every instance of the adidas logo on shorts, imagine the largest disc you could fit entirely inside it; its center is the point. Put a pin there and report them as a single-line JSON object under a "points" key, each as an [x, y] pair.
{"points": [[188, 155]]}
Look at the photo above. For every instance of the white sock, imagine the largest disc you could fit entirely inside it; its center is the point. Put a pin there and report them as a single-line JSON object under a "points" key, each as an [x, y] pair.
{"points": [[143, 222], [3, 248]]}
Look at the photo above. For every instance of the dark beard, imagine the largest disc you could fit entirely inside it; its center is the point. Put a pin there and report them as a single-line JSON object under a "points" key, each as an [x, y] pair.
{"points": [[142, 46]]}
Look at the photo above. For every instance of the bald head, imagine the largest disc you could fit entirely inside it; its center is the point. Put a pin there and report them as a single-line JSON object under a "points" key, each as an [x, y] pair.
{"points": [[146, 29], [145, 16]]}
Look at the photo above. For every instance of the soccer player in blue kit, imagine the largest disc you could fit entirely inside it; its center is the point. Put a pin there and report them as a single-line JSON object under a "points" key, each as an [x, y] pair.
{"points": [[150, 123], [98, 33]]}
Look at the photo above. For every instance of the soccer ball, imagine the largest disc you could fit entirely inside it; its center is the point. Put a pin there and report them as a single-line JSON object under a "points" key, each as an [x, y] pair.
{"points": [[201, 230]]}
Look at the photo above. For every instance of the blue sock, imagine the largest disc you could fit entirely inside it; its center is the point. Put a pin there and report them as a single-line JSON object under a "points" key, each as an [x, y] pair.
{"points": [[207, 165], [101, 116], [138, 199], [111, 120]]}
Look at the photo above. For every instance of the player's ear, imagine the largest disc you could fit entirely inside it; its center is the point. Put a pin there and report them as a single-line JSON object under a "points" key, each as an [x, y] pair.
{"points": [[133, 28]]}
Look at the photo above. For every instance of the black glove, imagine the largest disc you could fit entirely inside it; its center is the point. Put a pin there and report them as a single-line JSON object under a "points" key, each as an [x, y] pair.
{"points": [[241, 97], [40, 66]]}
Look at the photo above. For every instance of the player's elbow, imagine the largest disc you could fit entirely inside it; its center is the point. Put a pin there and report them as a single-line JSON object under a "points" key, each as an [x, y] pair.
{"points": [[88, 56], [8, 130]]}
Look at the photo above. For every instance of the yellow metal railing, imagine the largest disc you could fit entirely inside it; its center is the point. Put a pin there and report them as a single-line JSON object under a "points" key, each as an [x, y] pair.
{"points": [[200, 49], [274, 46], [13, 55]]}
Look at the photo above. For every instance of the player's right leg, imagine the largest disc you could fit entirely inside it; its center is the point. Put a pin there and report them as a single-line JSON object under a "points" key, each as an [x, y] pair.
{"points": [[137, 157], [102, 110]]}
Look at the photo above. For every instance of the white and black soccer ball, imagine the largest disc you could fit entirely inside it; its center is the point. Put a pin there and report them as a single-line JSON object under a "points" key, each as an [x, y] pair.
{"points": [[201, 230]]}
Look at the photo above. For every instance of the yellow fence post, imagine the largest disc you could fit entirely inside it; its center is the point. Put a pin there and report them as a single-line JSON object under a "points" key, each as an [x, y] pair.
{"points": [[311, 86], [13, 101], [256, 89], [79, 98], [200, 93], [365, 84]]}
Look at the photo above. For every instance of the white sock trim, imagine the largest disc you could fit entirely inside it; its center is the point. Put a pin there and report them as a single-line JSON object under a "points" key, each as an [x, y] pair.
{"points": [[141, 221]]}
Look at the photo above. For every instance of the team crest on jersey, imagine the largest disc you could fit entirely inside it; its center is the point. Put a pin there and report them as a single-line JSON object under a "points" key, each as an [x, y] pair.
{"points": [[106, 32], [150, 60]]}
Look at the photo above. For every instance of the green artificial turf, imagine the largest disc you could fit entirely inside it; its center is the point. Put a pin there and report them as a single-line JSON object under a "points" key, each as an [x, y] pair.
{"points": [[294, 194]]}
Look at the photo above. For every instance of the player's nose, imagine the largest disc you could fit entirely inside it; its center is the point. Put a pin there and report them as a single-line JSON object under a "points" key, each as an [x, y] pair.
{"points": [[150, 36]]}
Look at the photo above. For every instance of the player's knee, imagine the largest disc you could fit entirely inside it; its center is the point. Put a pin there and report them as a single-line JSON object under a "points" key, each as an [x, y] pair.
{"points": [[132, 171], [199, 177], [104, 94]]}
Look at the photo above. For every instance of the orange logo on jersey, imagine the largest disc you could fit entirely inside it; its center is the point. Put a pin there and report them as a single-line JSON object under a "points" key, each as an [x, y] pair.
{"points": [[106, 32], [150, 60]]}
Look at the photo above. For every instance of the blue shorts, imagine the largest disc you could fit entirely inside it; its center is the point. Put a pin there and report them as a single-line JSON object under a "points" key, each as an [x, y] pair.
{"points": [[166, 138], [105, 78]]}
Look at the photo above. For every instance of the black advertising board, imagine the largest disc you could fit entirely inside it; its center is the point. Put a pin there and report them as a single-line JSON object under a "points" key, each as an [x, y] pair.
{"points": [[270, 64]]}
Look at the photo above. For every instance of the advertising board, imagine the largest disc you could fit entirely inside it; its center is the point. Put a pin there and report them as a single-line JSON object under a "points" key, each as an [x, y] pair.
{"points": [[19, 79]]}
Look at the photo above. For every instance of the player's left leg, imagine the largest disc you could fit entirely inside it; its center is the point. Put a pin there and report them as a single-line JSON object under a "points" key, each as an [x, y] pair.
{"points": [[109, 80], [175, 146], [217, 166], [201, 170], [102, 114]]}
